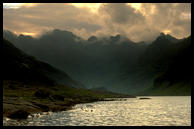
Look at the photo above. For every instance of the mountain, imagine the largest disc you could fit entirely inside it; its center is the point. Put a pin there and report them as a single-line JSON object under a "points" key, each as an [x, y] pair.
{"points": [[175, 79], [158, 54], [168, 37], [155, 60], [32, 86], [114, 62], [19, 66], [95, 62]]}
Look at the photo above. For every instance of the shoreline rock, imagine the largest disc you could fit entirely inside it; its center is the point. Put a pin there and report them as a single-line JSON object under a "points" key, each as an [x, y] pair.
{"points": [[23, 110], [19, 114]]}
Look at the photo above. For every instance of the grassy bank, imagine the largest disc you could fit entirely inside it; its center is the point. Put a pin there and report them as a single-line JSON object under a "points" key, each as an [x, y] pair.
{"points": [[33, 98]]}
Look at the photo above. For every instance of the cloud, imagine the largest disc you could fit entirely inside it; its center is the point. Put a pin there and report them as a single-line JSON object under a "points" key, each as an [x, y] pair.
{"points": [[144, 23], [168, 16], [46, 17], [122, 13]]}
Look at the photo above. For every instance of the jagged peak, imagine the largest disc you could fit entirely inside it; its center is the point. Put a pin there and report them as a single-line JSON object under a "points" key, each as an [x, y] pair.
{"points": [[115, 38], [168, 37], [92, 38], [162, 34]]}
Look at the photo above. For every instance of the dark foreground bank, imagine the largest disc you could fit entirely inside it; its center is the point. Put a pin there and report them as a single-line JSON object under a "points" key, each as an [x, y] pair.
{"points": [[22, 99]]}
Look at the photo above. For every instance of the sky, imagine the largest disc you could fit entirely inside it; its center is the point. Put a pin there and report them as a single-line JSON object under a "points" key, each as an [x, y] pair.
{"points": [[137, 21]]}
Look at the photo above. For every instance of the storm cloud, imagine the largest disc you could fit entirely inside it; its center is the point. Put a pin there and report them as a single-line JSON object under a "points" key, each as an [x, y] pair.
{"points": [[122, 13], [143, 23]]}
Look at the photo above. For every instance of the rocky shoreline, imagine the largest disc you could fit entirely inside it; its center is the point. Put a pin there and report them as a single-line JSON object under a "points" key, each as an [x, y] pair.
{"points": [[21, 99], [18, 108]]}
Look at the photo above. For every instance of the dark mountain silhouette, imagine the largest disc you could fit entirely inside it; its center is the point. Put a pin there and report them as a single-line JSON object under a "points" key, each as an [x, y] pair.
{"points": [[114, 62], [154, 61], [180, 68], [168, 37], [94, 62], [159, 54], [175, 76], [19, 66]]}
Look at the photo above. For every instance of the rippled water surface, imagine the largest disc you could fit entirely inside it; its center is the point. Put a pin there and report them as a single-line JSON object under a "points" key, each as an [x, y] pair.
{"points": [[167, 111]]}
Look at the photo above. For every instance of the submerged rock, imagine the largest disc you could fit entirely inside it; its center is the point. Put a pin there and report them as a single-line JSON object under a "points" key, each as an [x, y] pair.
{"points": [[144, 98], [114, 99]]}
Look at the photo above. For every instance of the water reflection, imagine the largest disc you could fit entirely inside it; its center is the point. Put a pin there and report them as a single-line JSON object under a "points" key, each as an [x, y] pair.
{"points": [[165, 111]]}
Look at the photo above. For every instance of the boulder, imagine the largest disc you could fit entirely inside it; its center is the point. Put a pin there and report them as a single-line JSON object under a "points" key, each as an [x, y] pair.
{"points": [[19, 114]]}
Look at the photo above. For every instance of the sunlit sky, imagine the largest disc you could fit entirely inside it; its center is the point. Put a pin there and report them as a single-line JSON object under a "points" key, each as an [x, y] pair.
{"points": [[137, 21]]}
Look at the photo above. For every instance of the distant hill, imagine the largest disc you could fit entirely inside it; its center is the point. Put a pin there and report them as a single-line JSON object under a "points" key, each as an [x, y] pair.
{"points": [[19, 66]]}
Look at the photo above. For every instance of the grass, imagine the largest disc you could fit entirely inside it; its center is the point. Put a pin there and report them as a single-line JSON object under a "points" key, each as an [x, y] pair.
{"points": [[57, 98]]}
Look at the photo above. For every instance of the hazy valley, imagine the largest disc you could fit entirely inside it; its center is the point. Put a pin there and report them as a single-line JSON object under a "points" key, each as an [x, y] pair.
{"points": [[115, 62]]}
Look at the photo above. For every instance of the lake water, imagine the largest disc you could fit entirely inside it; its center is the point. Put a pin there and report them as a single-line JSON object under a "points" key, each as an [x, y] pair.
{"points": [[157, 111]]}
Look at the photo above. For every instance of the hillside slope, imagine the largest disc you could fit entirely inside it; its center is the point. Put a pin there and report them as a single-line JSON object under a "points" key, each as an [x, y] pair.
{"points": [[96, 62], [31, 86], [176, 79], [19, 66]]}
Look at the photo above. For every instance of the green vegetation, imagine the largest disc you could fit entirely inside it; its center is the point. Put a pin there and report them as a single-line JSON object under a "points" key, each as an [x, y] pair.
{"points": [[31, 86], [29, 91], [32, 98]]}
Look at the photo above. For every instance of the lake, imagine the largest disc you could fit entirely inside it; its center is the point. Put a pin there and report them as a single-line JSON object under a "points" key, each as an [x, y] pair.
{"points": [[157, 111]]}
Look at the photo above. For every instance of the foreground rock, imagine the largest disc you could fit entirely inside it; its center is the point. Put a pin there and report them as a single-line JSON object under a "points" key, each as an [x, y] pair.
{"points": [[19, 114], [18, 108]]}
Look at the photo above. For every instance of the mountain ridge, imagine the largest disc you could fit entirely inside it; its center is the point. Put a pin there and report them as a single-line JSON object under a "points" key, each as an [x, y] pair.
{"points": [[119, 65], [18, 65]]}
